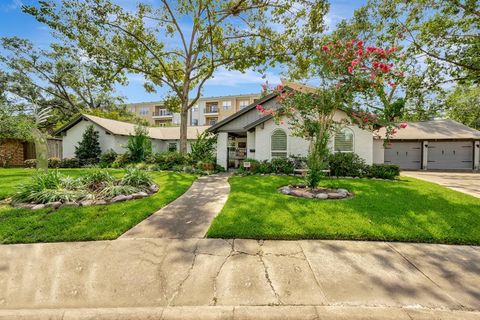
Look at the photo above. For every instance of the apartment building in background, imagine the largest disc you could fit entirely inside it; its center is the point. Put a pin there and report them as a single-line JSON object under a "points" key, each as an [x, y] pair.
{"points": [[208, 110]]}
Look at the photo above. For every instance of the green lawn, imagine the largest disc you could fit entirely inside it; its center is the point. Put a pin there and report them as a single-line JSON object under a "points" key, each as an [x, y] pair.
{"points": [[79, 224], [409, 210]]}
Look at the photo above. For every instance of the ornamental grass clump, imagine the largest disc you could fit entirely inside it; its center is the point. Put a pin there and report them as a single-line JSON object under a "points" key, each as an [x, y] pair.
{"points": [[52, 186]]}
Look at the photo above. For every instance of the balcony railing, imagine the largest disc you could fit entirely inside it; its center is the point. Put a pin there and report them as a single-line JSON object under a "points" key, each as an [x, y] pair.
{"points": [[211, 109], [162, 113]]}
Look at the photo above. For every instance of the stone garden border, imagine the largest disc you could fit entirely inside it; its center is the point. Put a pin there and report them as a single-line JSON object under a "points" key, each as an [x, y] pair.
{"points": [[86, 203], [302, 191]]}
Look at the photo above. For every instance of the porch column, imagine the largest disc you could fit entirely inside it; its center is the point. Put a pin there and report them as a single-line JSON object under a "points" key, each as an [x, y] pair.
{"points": [[424, 155], [476, 155], [222, 149]]}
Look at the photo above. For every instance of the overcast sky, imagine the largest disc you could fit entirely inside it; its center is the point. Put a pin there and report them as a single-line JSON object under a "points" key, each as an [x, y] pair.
{"points": [[15, 23]]}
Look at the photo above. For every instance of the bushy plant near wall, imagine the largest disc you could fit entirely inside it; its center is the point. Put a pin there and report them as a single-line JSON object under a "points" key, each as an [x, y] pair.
{"points": [[88, 150], [351, 165], [347, 164], [279, 166], [383, 171], [139, 145], [108, 158]]}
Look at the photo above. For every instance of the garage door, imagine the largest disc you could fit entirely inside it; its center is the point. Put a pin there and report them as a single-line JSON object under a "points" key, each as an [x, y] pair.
{"points": [[450, 155], [406, 155]]}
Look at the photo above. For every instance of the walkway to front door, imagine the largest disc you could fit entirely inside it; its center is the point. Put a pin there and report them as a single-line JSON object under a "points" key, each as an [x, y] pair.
{"points": [[190, 215]]}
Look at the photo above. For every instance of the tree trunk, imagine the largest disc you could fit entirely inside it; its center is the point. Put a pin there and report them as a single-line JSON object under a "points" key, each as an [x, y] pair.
{"points": [[41, 149], [183, 127]]}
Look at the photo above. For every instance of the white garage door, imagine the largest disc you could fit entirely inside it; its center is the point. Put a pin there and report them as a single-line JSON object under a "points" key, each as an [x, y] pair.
{"points": [[450, 155], [406, 155]]}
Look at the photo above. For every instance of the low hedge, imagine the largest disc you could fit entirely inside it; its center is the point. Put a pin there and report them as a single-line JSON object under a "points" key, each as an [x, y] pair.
{"points": [[383, 171]]}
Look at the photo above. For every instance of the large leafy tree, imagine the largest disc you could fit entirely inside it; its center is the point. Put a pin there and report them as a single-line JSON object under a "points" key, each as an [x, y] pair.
{"points": [[463, 104], [439, 42], [180, 44], [61, 78]]}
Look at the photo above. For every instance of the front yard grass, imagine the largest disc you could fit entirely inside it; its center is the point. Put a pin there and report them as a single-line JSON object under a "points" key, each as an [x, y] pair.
{"points": [[408, 210], [81, 224]]}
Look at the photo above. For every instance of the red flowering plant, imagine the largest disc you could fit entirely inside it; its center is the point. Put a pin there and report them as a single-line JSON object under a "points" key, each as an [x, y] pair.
{"points": [[372, 74], [353, 76]]}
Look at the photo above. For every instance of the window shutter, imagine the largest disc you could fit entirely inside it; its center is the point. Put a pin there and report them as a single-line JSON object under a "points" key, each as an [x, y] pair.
{"points": [[279, 144], [344, 141]]}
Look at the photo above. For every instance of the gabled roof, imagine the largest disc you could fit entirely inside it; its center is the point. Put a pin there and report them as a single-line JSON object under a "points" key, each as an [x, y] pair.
{"points": [[433, 130], [242, 112], [122, 128]]}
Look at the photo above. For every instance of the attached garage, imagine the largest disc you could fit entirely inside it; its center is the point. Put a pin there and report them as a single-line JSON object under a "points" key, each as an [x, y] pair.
{"points": [[450, 155], [406, 155], [432, 145]]}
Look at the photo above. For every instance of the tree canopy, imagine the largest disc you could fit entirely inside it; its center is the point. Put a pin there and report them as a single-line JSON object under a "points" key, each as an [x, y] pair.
{"points": [[181, 44]]}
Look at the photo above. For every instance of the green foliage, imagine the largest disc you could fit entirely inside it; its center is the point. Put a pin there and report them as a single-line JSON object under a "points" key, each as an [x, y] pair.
{"points": [[111, 190], [277, 166], [383, 171], [52, 186], [97, 179], [139, 145], [347, 164], [47, 187], [169, 159], [30, 163], [88, 150], [70, 163], [282, 165], [463, 105], [59, 77], [121, 160], [203, 148], [108, 158], [409, 210], [81, 223], [137, 178], [217, 38], [54, 163]]}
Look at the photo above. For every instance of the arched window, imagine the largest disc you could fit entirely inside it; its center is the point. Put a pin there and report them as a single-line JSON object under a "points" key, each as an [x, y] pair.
{"points": [[279, 144], [343, 140]]}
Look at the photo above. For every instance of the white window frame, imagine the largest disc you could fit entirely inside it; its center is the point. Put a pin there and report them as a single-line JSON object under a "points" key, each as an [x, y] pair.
{"points": [[243, 106], [342, 130], [278, 151], [227, 105]]}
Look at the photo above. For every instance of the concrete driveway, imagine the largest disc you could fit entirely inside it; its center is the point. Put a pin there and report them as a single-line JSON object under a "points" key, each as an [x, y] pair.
{"points": [[468, 183]]}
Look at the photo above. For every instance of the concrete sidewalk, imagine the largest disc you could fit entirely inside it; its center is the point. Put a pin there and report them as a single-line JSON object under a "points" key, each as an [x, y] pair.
{"points": [[190, 215], [232, 279]]}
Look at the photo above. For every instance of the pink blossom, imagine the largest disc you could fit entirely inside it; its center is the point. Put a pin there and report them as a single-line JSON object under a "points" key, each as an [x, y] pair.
{"points": [[259, 107], [350, 70], [403, 125], [360, 43], [325, 48]]}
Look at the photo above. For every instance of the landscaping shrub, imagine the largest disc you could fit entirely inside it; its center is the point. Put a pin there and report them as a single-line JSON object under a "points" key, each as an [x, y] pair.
{"points": [[52, 186], [203, 148], [54, 163], [137, 178], [47, 187], [282, 165], [88, 150], [107, 158], [139, 145], [30, 163], [121, 160], [347, 165], [383, 171], [69, 163], [96, 179], [169, 159]]}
